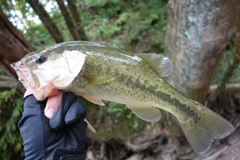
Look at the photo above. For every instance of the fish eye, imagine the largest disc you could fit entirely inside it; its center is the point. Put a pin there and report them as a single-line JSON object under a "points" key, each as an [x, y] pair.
{"points": [[41, 59]]}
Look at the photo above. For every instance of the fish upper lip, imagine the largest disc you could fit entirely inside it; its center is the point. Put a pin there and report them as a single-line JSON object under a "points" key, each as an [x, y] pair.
{"points": [[19, 70]]}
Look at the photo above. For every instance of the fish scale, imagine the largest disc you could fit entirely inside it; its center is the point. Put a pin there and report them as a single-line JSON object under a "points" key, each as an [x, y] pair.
{"points": [[93, 68]]}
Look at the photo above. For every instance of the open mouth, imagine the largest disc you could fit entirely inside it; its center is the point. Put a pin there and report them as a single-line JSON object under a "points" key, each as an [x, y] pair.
{"points": [[20, 70], [22, 73]]}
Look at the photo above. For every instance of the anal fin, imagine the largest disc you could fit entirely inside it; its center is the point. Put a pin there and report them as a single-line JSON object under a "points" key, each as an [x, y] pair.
{"points": [[147, 113]]}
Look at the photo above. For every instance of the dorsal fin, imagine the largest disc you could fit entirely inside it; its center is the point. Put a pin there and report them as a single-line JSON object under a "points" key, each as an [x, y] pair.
{"points": [[162, 64]]}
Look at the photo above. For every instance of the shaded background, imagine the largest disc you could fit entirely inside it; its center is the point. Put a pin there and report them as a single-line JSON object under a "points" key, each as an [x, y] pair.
{"points": [[201, 38]]}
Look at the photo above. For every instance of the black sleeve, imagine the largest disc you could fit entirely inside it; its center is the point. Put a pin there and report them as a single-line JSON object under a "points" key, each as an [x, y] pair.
{"points": [[64, 136]]}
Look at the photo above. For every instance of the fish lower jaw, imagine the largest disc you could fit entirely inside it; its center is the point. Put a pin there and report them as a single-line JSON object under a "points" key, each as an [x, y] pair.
{"points": [[42, 93]]}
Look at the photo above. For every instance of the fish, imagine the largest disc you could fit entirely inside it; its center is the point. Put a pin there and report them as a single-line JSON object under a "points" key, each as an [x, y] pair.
{"points": [[97, 72]]}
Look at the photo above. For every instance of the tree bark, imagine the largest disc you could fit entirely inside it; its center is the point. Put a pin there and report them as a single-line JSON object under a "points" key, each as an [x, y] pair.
{"points": [[68, 20], [46, 20], [233, 66], [13, 45], [196, 38], [77, 20], [229, 88]]}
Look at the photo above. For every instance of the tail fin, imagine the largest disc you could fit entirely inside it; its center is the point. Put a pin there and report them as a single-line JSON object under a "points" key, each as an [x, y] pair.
{"points": [[210, 127]]}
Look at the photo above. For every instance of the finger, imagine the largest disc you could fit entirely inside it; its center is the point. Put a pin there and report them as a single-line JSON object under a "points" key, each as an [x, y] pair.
{"points": [[53, 104], [53, 92]]}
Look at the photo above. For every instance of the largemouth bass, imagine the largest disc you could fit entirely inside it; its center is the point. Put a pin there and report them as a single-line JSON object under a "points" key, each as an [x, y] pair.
{"points": [[99, 72]]}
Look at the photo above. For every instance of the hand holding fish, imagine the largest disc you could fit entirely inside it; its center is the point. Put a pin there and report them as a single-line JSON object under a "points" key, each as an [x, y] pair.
{"points": [[58, 137], [53, 100]]}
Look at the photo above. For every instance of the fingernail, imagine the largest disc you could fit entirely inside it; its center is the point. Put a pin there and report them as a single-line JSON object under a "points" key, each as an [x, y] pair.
{"points": [[49, 113]]}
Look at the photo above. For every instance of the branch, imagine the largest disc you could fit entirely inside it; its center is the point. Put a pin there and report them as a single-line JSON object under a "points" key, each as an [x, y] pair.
{"points": [[233, 88], [230, 71], [46, 20], [25, 26], [13, 46], [68, 20], [7, 82], [77, 20]]}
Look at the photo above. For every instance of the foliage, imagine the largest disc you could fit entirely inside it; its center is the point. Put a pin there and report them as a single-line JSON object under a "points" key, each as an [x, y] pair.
{"points": [[10, 139], [113, 119], [225, 64], [132, 25], [120, 111]]}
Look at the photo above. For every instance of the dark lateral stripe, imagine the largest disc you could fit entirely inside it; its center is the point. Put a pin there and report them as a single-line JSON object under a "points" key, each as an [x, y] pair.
{"points": [[168, 99], [180, 106]]}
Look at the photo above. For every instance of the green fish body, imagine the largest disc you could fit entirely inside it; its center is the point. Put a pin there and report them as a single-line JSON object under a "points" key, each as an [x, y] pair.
{"points": [[136, 80]]}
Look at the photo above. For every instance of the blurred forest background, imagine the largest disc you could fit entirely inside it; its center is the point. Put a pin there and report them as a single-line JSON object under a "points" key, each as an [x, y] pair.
{"points": [[202, 38]]}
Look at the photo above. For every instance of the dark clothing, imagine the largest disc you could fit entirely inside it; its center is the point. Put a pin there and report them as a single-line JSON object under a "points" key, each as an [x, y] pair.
{"points": [[63, 137]]}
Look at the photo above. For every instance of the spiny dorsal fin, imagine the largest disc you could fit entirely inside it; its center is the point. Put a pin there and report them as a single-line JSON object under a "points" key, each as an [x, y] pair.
{"points": [[162, 64], [147, 113]]}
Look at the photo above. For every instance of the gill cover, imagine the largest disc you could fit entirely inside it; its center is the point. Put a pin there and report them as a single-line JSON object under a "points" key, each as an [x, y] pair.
{"points": [[58, 71], [74, 61]]}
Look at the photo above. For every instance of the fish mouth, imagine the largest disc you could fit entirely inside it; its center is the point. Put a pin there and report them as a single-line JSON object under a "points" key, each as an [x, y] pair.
{"points": [[19, 69], [25, 76]]}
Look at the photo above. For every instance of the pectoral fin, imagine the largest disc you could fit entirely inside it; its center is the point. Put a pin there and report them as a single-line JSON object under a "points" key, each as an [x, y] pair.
{"points": [[94, 100], [98, 79], [147, 113]]}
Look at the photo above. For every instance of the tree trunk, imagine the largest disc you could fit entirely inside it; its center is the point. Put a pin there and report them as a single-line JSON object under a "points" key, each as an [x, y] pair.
{"points": [[68, 20], [46, 20], [13, 45], [77, 20], [234, 65], [196, 38]]}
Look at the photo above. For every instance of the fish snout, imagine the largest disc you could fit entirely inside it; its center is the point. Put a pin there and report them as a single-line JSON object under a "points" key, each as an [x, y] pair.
{"points": [[13, 65], [19, 68], [17, 65]]}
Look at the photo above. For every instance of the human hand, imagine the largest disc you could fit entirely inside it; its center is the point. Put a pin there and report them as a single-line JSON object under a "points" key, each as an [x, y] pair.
{"points": [[63, 135], [53, 102]]}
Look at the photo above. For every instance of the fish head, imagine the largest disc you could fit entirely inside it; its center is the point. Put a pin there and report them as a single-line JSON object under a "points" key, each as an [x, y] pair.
{"points": [[48, 69]]}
